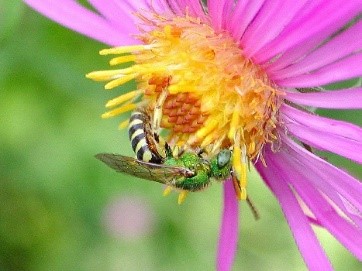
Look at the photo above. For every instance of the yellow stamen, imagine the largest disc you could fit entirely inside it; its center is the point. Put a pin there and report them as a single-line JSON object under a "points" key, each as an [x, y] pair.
{"points": [[234, 123], [167, 191], [120, 81], [179, 88], [208, 140], [123, 124], [124, 49], [217, 145], [251, 147], [103, 75], [209, 126], [123, 98], [119, 110], [122, 59], [182, 196]]}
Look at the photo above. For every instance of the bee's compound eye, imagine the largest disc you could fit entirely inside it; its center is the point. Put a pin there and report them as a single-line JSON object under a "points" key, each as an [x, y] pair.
{"points": [[223, 158]]}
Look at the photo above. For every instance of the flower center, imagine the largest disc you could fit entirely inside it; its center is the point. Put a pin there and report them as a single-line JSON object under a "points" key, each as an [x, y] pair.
{"points": [[199, 86]]}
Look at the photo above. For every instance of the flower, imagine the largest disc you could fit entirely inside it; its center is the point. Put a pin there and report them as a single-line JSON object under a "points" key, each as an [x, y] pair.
{"points": [[245, 75]]}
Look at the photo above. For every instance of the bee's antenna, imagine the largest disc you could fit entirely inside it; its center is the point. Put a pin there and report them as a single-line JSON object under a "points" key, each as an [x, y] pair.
{"points": [[253, 208]]}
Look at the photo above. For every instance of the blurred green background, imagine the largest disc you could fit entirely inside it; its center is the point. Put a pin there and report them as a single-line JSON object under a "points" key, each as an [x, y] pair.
{"points": [[61, 209]]}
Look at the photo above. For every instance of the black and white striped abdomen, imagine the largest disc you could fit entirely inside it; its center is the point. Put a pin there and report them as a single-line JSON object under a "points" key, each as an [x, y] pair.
{"points": [[140, 135]]}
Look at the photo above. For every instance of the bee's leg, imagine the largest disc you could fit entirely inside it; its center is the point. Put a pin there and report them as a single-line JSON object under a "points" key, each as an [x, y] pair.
{"points": [[168, 150], [216, 146], [199, 151], [238, 192], [157, 112], [236, 186], [177, 151], [240, 166]]}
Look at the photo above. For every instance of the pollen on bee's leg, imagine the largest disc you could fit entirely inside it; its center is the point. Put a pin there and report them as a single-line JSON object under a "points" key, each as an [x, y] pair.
{"points": [[176, 151], [217, 144], [240, 166], [243, 195], [182, 196], [236, 187], [119, 110], [157, 113], [167, 191]]}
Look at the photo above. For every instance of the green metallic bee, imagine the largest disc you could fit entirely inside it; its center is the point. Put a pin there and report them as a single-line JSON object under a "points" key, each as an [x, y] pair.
{"points": [[156, 162], [188, 172]]}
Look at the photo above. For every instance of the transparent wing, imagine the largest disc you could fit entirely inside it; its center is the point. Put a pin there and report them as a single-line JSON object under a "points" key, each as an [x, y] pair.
{"points": [[154, 172]]}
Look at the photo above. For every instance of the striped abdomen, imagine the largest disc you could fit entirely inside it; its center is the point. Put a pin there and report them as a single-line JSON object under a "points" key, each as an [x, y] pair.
{"points": [[142, 138]]}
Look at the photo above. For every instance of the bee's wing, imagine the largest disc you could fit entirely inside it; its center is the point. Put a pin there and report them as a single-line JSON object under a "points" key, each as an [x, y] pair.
{"points": [[154, 172]]}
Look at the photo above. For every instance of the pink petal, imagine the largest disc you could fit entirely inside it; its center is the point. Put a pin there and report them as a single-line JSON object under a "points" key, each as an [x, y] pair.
{"points": [[329, 179], [218, 11], [303, 182], [344, 44], [336, 99], [265, 27], [243, 14], [136, 6], [181, 7], [304, 236], [228, 238], [113, 12], [344, 69], [309, 30], [196, 8], [76, 17], [162, 6], [325, 134]]}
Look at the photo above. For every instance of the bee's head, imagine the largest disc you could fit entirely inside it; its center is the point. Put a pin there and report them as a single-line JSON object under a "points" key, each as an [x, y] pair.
{"points": [[221, 165]]}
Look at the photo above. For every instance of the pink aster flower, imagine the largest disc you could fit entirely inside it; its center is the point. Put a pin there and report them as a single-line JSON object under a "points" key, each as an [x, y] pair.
{"points": [[246, 74]]}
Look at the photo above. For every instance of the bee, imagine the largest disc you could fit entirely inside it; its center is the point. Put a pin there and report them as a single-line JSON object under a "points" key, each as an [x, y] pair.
{"points": [[187, 171], [147, 146], [155, 161]]}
